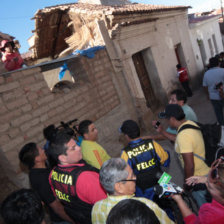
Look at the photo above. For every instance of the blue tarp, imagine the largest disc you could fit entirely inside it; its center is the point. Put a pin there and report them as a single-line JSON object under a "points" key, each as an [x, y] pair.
{"points": [[61, 74], [89, 52]]}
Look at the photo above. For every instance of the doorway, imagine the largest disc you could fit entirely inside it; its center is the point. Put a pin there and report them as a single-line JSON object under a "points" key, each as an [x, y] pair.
{"points": [[147, 86], [180, 55]]}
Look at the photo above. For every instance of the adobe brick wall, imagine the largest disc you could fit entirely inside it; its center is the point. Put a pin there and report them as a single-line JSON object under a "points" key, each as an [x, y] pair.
{"points": [[28, 105]]}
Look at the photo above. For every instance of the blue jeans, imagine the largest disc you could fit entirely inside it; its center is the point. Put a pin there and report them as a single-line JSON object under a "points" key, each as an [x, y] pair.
{"points": [[200, 197], [218, 108]]}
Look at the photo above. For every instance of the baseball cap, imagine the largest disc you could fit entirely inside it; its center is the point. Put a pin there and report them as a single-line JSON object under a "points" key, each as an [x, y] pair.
{"points": [[129, 127], [172, 110]]}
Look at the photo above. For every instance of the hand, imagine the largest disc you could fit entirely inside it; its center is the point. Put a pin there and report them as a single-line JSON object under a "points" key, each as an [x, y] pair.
{"points": [[159, 128], [154, 123], [196, 180], [176, 197]]}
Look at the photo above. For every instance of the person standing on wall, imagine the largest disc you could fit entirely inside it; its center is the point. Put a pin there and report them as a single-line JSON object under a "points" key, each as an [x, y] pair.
{"points": [[184, 79]]}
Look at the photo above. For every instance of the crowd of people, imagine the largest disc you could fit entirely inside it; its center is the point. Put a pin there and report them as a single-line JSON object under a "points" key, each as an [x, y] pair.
{"points": [[79, 182]]}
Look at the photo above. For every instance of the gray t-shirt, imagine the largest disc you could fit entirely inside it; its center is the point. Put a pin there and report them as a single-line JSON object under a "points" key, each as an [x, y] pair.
{"points": [[212, 77]]}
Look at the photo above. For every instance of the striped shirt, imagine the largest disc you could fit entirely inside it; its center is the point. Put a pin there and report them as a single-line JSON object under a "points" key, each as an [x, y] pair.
{"points": [[102, 208]]}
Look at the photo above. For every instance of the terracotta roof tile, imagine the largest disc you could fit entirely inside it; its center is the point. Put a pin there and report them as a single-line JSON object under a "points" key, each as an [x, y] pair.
{"points": [[113, 10]]}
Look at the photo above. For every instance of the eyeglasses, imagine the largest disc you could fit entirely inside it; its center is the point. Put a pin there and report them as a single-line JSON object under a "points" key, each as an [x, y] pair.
{"points": [[214, 174], [134, 180]]}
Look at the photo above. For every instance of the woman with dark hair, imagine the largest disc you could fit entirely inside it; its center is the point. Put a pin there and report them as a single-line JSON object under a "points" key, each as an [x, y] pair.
{"points": [[130, 211], [209, 213], [11, 58]]}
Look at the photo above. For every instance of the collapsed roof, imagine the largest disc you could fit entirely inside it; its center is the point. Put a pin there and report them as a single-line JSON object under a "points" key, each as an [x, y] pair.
{"points": [[61, 29]]}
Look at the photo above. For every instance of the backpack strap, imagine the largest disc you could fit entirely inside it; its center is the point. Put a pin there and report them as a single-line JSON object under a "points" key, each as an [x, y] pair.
{"points": [[186, 126]]}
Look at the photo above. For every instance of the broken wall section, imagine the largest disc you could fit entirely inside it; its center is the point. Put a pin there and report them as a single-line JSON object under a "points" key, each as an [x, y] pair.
{"points": [[28, 105]]}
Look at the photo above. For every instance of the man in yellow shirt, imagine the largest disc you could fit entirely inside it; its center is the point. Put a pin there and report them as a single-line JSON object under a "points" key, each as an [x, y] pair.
{"points": [[189, 146], [93, 153]]}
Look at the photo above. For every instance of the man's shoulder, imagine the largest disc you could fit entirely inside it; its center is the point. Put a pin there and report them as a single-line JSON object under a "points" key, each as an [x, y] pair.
{"points": [[146, 201], [36, 173], [90, 144], [189, 113], [100, 203]]}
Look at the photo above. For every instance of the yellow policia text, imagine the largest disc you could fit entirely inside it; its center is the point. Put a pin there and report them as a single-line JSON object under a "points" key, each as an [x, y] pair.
{"points": [[62, 196], [62, 178], [138, 150]]}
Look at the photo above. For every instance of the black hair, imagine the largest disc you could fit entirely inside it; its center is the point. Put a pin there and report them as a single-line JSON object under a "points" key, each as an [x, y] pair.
{"points": [[22, 207], [84, 127], [58, 145], [11, 43], [28, 154], [131, 129], [213, 62], [180, 95], [221, 54], [130, 211], [180, 117], [134, 134], [178, 66], [49, 132]]}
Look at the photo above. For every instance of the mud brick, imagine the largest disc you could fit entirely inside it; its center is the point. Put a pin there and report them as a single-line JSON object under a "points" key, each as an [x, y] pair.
{"points": [[13, 144], [26, 108], [34, 131], [10, 115], [16, 103], [2, 80], [28, 80], [45, 100], [20, 120], [32, 96], [32, 71], [9, 86], [4, 139], [13, 132], [44, 117], [40, 111], [4, 127]]}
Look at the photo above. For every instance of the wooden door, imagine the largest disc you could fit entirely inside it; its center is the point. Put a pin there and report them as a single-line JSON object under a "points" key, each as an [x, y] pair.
{"points": [[144, 80]]}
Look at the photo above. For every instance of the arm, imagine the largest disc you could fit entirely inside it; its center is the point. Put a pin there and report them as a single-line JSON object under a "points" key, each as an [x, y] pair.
{"points": [[196, 180], [154, 137], [185, 211], [88, 187], [162, 134], [169, 136], [206, 91], [165, 134], [58, 208], [162, 155], [188, 164]]}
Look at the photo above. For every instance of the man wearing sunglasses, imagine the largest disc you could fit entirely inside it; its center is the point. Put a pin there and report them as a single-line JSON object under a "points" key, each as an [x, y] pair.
{"points": [[210, 212], [118, 179]]}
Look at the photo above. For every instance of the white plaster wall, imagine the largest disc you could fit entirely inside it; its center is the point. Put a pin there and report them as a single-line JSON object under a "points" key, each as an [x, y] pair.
{"points": [[161, 36], [203, 31]]}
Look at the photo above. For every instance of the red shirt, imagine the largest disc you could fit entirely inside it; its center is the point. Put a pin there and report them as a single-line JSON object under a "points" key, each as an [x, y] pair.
{"points": [[209, 213], [182, 73], [10, 63]]}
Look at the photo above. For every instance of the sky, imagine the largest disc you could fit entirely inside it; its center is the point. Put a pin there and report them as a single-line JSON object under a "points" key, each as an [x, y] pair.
{"points": [[16, 21]]}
